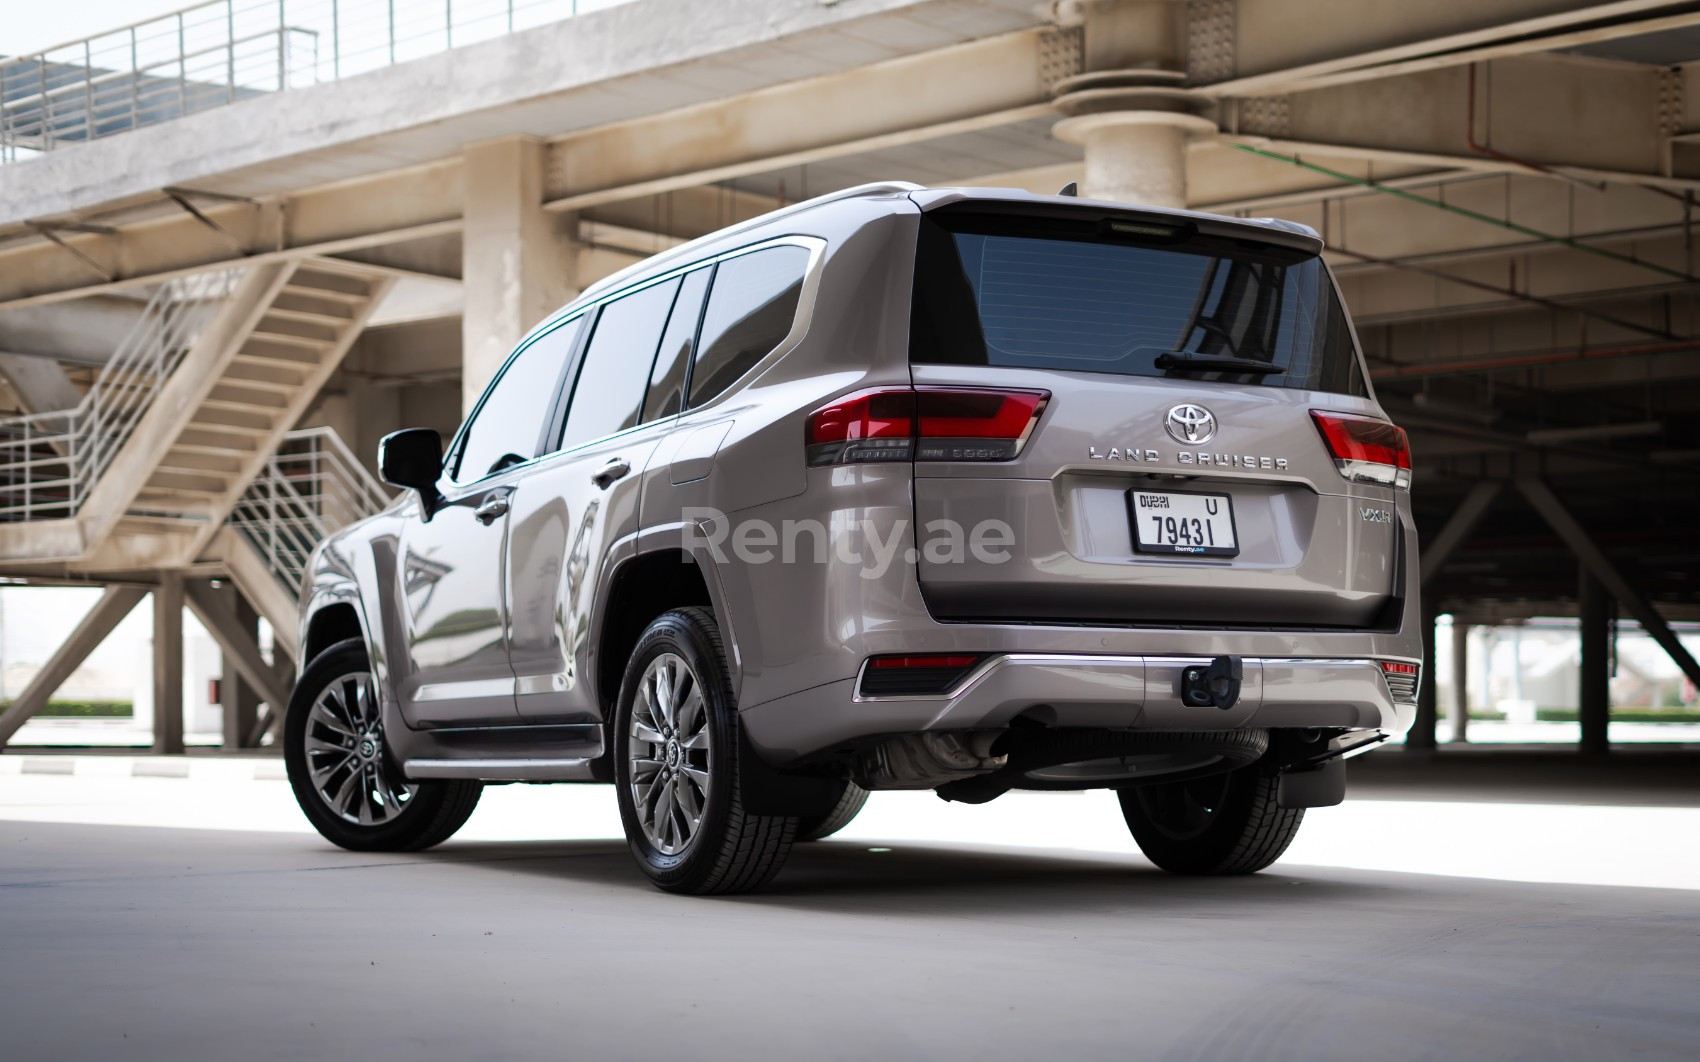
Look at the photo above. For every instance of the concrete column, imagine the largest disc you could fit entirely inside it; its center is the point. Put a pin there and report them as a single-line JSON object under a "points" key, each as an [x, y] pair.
{"points": [[1422, 735], [168, 663], [517, 260], [1594, 694], [1460, 681], [1130, 108], [240, 701], [1135, 156]]}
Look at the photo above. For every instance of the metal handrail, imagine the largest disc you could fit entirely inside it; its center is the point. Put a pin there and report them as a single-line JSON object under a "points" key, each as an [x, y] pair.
{"points": [[217, 52], [312, 487], [51, 460]]}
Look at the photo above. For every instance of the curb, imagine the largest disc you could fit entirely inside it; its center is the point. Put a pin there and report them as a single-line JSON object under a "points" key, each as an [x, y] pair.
{"points": [[256, 769]]}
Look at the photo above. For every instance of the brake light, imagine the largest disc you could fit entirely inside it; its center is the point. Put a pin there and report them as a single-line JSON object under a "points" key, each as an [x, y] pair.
{"points": [[1366, 450], [1401, 680], [923, 424]]}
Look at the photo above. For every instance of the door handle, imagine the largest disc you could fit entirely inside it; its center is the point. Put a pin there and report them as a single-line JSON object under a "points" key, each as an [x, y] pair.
{"points": [[616, 468], [493, 506]]}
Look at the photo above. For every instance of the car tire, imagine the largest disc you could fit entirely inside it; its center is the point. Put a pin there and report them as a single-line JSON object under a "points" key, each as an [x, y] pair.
{"points": [[344, 777], [816, 827], [676, 744], [1221, 824]]}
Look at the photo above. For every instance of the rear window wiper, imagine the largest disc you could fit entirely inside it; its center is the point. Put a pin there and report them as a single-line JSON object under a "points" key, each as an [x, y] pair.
{"points": [[1210, 363]]}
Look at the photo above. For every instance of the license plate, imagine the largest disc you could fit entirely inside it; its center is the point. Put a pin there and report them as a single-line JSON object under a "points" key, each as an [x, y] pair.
{"points": [[1176, 521]]}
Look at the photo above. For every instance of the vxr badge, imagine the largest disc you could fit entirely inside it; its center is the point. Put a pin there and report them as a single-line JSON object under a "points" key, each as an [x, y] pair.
{"points": [[1190, 424]]}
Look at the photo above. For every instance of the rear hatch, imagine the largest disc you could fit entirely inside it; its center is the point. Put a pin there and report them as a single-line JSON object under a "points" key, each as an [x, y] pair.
{"points": [[1203, 449]]}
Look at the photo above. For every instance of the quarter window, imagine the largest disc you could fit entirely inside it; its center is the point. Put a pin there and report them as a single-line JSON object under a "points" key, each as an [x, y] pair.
{"points": [[667, 382], [506, 426], [750, 310], [609, 394]]}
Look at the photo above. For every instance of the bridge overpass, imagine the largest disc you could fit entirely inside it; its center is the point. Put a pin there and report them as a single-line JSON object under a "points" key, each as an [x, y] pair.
{"points": [[1507, 188]]}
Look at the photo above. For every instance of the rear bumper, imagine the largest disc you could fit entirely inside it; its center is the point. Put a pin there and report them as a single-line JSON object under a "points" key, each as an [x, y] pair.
{"points": [[1084, 690]]}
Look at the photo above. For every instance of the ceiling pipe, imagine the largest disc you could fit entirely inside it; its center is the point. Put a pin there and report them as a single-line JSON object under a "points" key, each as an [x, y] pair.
{"points": [[1487, 152], [1508, 293], [1474, 215]]}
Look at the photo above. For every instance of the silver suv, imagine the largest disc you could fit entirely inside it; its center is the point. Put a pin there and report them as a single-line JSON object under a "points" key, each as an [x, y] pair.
{"points": [[967, 490]]}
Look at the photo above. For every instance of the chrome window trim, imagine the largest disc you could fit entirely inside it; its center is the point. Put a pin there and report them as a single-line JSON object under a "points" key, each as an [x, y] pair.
{"points": [[800, 322]]}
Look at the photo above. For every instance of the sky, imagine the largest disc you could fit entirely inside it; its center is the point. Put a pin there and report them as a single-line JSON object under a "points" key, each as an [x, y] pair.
{"points": [[28, 26]]}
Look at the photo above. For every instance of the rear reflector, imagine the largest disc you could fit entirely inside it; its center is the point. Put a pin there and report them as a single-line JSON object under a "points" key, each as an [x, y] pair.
{"points": [[1366, 450], [923, 424], [915, 675], [1401, 680]]}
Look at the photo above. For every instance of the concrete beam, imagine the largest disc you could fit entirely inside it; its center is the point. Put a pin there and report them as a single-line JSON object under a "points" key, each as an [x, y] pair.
{"points": [[1594, 559], [1608, 119], [83, 333], [978, 85], [247, 569], [1280, 45], [1464, 519], [597, 68], [41, 385], [219, 617], [90, 631]]}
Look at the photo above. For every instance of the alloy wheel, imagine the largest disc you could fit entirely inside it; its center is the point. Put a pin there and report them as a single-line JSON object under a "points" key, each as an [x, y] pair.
{"points": [[345, 753], [671, 753]]}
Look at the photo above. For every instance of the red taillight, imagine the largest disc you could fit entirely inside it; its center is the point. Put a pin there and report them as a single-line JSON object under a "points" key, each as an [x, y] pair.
{"points": [[923, 424], [1365, 449], [1401, 679], [915, 674], [922, 661]]}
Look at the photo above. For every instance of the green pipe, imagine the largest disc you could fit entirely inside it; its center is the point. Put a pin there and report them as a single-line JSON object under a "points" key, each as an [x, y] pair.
{"points": [[1525, 230]]}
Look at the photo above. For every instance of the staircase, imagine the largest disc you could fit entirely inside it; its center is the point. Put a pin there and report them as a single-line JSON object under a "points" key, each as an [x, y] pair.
{"points": [[183, 419], [312, 487]]}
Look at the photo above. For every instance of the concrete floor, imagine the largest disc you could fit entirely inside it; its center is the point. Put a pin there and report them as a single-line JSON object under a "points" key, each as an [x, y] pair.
{"points": [[168, 941]]}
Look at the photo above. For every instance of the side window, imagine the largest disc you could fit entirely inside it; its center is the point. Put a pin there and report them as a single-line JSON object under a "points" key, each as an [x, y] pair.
{"points": [[609, 394], [751, 309], [505, 428], [667, 382]]}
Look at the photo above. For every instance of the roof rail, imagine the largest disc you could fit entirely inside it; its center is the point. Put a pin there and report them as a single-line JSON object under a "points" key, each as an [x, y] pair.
{"points": [[614, 280]]}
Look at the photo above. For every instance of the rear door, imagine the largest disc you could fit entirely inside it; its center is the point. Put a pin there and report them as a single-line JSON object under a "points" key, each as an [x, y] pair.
{"points": [[582, 500], [1176, 474]]}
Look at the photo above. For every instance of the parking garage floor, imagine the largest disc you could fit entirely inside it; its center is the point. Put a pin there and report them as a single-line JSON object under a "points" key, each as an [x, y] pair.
{"points": [[196, 917]]}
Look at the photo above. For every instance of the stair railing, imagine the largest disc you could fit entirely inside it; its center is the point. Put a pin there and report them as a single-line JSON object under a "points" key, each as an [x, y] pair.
{"points": [[49, 461], [312, 487]]}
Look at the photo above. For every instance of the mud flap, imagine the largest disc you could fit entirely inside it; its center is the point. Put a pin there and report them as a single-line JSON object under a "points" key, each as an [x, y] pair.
{"points": [[766, 790], [1318, 787]]}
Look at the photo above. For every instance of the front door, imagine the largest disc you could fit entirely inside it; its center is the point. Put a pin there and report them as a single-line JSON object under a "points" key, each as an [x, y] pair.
{"points": [[452, 560]]}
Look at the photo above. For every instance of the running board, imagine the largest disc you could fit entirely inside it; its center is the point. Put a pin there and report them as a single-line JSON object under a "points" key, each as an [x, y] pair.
{"points": [[577, 769]]}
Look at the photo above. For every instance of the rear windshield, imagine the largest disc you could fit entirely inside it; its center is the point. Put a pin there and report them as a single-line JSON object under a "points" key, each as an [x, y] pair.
{"points": [[1116, 295]]}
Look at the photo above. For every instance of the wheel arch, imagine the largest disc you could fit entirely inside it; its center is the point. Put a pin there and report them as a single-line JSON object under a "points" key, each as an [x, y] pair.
{"points": [[332, 621], [640, 589]]}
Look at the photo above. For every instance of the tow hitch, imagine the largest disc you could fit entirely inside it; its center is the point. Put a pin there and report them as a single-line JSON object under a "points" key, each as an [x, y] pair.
{"points": [[1217, 684]]}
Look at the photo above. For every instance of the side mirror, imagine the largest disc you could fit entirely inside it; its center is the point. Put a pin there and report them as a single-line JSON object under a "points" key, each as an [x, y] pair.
{"points": [[413, 457]]}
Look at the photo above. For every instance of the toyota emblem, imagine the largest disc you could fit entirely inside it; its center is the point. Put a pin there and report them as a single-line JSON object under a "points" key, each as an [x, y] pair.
{"points": [[1190, 424]]}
